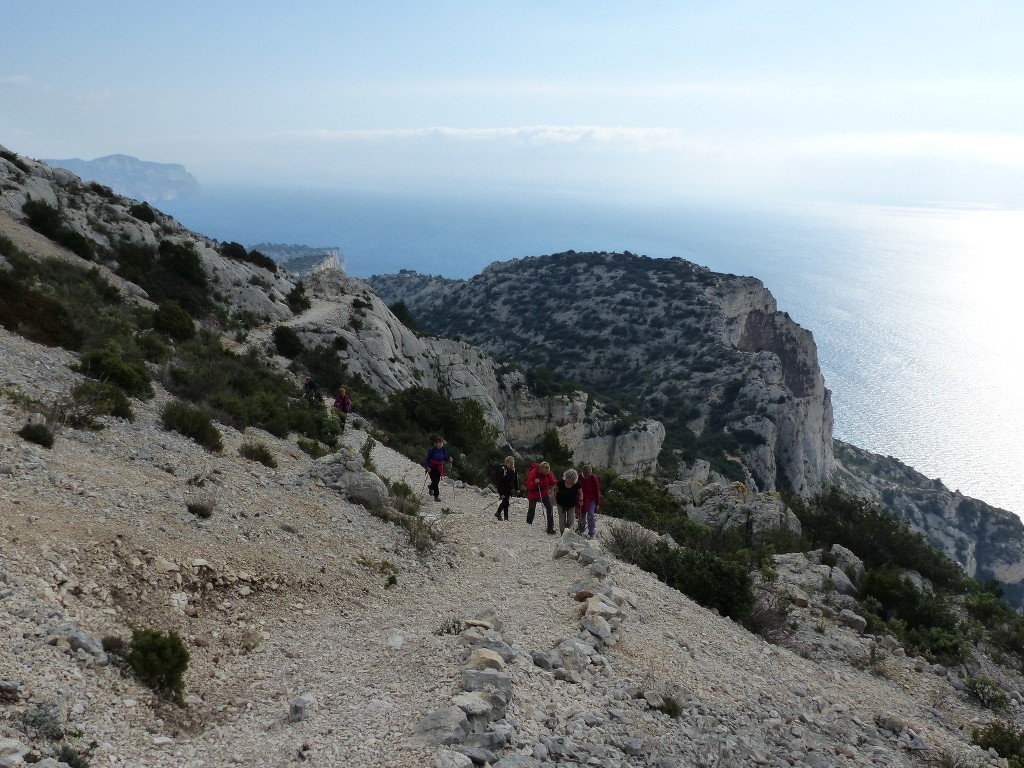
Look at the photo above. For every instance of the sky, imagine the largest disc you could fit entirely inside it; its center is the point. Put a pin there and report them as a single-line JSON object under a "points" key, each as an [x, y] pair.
{"points": [[871, 101]]}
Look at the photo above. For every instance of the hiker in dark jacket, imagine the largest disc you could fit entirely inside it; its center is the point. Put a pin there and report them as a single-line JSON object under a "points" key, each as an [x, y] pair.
{"points": [[568, 496], [508, 483], [539, 483], [437, 457]]}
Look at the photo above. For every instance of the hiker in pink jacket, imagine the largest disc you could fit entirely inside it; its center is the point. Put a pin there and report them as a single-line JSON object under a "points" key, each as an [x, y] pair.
{"points": [[591, 501]]}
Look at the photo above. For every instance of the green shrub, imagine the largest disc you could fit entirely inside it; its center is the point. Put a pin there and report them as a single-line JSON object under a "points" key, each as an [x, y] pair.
{"points": [[710, 580], [287, 342], [987, 692], [160, 660], [16, 161], [202, 509], [237, 252], [258, 452], [36, 316], [405, 499], [923, 621], [192, 422], [108, 364], [173, 321], [45, 720], [1004, 738], [450, 626], [72, 757], [143, 212], [312, 448], [90, 399], [47, 221], [297, 299], [40, 434], [836, 517]]}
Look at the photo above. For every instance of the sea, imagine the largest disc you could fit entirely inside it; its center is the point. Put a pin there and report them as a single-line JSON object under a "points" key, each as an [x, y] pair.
{"points": [[914, 309]]}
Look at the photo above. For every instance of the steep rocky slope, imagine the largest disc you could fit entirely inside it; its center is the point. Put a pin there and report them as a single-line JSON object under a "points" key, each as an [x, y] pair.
{"points": [[709, 355], [301, 651]]}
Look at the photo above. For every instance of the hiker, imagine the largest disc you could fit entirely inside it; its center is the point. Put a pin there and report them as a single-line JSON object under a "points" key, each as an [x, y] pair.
{"points": [[568, 496], [311, 389], [508, 483], [343, 403], [539, 483], [591, 490], [437, 457]]}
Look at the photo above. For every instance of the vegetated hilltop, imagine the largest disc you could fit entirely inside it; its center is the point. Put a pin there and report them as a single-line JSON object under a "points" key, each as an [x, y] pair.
{"points": [[200, 565], [735, 382]]}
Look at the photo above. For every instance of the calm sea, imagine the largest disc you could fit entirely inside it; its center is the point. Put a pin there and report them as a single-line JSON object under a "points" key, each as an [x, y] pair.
{"points": [[914, 310]]}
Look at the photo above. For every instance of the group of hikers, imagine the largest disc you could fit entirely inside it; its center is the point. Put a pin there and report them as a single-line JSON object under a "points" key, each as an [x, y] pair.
{"points": [[576, 494]]}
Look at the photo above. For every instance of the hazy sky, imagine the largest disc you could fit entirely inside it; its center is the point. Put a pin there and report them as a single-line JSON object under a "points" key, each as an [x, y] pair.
{"points": [[872, 100]]}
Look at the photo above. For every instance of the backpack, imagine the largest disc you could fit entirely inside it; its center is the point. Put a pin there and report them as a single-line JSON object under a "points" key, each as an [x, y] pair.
{"points": [[495, 472]]}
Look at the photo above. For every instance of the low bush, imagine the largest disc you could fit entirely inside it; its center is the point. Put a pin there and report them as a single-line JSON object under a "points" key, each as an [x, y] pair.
{"points": [[836, 517], [313, 448], [405, 499], [202, 508], [40, 434], [107, 364], [44, 719], [923, 621], [297, 299], [143, 212], [192, 422], [987, 692], [36, 316], [173, 321], [90, 400], [258, 452], [47, 221], [1004, 738], [71, 757], [287, 342], [159, 660]]}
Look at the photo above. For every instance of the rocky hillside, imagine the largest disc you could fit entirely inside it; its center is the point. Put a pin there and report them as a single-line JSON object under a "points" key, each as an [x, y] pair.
{"points": [[318, 631], [127, 241], [733, 380]]}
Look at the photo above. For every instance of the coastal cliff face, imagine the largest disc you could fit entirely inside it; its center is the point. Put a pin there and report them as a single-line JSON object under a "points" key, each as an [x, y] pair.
{"points": [[988, 542], [708, 355]]}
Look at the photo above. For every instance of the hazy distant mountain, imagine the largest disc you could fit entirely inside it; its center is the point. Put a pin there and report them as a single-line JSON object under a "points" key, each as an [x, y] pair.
{"points": [[139, 179]]}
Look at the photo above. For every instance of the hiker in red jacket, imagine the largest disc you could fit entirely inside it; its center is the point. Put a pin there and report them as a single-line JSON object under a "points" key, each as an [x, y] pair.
{"points": [[539, 482], [591, 501]]}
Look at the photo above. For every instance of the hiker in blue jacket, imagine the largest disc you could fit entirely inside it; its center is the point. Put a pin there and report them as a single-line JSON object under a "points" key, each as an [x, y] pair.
{"points": [[437, 457]]}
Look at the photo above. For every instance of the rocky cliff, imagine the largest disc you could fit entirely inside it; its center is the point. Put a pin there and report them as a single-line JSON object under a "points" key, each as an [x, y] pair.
{"points": [[988, 542], [709, 355]]}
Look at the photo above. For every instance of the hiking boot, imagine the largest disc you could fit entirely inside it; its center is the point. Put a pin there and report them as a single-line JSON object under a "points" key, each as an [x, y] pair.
{"points": [[497, 516], [550, 532]]}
